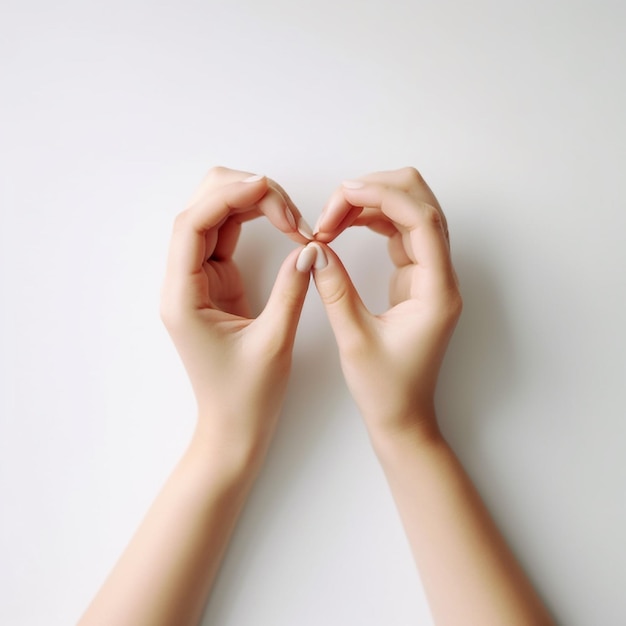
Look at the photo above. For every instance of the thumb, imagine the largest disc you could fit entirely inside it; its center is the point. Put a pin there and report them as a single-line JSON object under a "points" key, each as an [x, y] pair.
{"points": [[282, 312], [346, 312]]}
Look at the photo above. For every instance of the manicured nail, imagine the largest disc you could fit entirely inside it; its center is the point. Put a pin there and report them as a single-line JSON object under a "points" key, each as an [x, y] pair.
{"points": [[306, 259], [304, 229], [253, 179], [353, 184], [290, 218], [320, 256]]}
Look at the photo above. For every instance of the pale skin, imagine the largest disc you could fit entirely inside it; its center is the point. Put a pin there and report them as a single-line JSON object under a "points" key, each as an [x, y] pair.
{"points": [[238, 367]]}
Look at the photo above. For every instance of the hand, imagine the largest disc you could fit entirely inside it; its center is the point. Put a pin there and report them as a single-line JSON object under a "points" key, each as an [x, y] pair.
{"points": [[238, 367], [391, 361]]}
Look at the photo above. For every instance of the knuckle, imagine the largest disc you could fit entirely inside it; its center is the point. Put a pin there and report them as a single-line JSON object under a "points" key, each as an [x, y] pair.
{"points": [[171, 313], [455, 305], [412, 175], [451, 307], [181, 220], [432, 214], [216, 172], [335, 294], [169, 316]]}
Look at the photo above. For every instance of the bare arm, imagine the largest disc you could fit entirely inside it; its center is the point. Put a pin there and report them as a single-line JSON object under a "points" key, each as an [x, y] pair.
{"points": [[391, 363], [468, 571], [238, 368], [167, 570]]}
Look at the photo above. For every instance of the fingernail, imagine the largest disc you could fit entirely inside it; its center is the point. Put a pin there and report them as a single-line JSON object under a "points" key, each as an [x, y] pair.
{"points": [[320, 256], [304, 229], [353, 184], [290, 218], [253, 179], [306, 259]]}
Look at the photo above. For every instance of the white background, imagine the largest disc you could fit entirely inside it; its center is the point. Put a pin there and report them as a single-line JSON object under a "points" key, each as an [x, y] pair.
{"points": [[111, 113]]}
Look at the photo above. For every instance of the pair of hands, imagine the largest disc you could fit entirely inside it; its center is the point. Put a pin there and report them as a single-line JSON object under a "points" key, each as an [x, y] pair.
{"points": [[239, 366]]}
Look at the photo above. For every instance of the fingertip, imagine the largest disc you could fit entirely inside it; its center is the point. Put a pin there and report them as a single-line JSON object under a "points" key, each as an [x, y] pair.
{"points": [[333, 213], [311, 257], [321, 260], [306, 259], [326, 256], [304, 229], [335, 219], [291, 274], [279, 209], [328, 270]]}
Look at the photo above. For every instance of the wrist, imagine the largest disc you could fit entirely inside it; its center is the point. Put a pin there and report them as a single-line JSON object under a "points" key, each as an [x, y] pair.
{"points": [[411, 436], [233, 459]]}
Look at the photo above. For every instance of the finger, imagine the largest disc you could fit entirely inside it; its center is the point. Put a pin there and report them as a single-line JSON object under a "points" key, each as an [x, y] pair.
{"points": [[186, 286], [348, 316], [188, 246], [407, 179], [399, 241], [397, 250], [400, 286], [282, 213], [377, 221], [426, 243], [336, 216], [279, 319], [226, 239], [276, 204], [347, 220], [224, 289], [303, 232]]}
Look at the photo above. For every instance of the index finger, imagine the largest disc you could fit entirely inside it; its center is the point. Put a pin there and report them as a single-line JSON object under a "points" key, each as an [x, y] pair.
{"points": [[422, 226], [188, 246], [334, 217], [337, 215]]}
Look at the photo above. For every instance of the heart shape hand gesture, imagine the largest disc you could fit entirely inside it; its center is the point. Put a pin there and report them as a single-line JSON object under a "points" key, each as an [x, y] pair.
{"points": [[239, 366]]}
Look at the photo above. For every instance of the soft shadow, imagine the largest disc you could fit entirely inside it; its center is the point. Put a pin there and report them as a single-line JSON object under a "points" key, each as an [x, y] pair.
{"points": [[479, 372], [259, 254], [476, 381], [315, 392], [310, 406]]}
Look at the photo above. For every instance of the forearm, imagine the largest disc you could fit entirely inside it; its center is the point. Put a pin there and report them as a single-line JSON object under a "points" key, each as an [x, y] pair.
{"points": [[468, 572], [165, 574]]}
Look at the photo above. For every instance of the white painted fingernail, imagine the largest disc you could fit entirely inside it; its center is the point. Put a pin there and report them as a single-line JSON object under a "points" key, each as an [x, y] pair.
{"points": [[304, 229], [352, 184], [253, 179], [290, 218], [306, 259], [320, 256]]}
